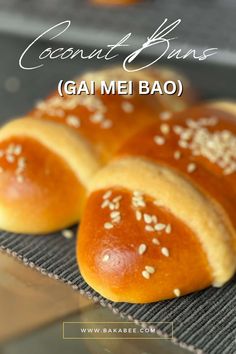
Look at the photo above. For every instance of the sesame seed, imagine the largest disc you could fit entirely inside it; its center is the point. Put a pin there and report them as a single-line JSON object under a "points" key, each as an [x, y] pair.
{"points": [[177, 292], [178, 129], [165, 251], [159, 140], [115, 206], [21, 162], [105, 203], [2, 153], [10, 149], [117, 219], [73, 121], [145, 274], [112, 206], [142, 248], [159, 227], [168, 229], [105, 258], [127, 107], [139, 203], [117, 199], [150, 269], [108, 225], [165, 128], [183, 144], [191, 167], [155, 241], [154, 219], [97, 117], [1, 169], [149, 228], [20, 178], [18, 149], [138, 215], [106, 124], [114, 214], [10, 158], [67, 234], [177, 155], [165, 115], [147, 218], [107, 195]]}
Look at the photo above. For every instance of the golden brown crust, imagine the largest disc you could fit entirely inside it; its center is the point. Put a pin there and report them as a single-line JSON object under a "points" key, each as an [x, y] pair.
{"points": [[107, 121], [91, 129], [199, 144], [118, 258], [208, 220], [188, 165], [39, 192], [63, 141]]}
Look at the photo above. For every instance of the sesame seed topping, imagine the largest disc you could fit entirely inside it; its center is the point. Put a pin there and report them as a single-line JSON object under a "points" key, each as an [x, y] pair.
{"points": [[138, 215], [105, 258], [165, 251], [191, 167], [177, 292], [1, 169], [21, 162], [147, 218], [159, 227], [106, 124], [112, 206], [114, 214], [127, 107], [155, 241], [149, 228], [105, 203], [107, 195], [168, 229], [145, 274], [183, 144], [2, 153], [178, 129], [117, 199], [219, 147], [108, 225], [117, 219], [142, 248], [10, 158], [20, 178], [165, 128], [137, 193], [73, 121], [18, 149], [97, 117], [177, 155], [165, 115], [67, 234], [159, 140], [150, 269], [154, 219]]}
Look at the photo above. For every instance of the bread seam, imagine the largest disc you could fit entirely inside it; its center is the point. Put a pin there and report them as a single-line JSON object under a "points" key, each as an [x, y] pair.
{"points": [[61, 140]]}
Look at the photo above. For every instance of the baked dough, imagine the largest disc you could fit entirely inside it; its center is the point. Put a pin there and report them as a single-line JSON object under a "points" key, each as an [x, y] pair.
{"points": [[175, 230]]}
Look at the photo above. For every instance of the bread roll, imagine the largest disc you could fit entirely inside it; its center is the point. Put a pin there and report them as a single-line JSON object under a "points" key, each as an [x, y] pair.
{"points": [[48, 157], [160, 219]]}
